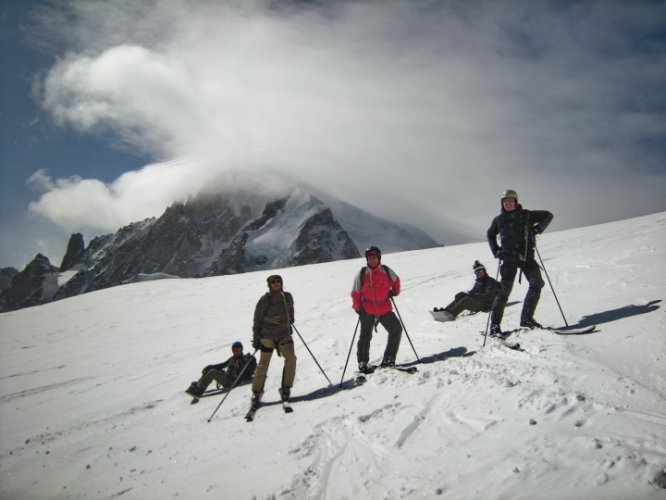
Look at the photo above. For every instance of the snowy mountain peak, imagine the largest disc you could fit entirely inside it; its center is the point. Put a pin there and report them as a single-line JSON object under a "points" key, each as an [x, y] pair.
{"points": [[239, 224]]}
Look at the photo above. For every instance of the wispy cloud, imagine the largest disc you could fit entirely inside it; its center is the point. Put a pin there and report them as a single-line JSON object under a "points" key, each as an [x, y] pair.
{"points": [[422, 111]]}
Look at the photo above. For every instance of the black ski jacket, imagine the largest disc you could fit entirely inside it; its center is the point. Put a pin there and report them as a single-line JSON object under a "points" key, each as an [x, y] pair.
{"points": [[484, 289], [516, 230], [234, 365]]}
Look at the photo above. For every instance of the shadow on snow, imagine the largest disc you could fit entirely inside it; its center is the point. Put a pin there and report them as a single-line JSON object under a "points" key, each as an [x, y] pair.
{"points": [[616, 314]]}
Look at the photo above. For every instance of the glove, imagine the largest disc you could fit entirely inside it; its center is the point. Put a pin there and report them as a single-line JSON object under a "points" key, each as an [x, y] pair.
{"points": [[360, 311], [502, 254], [391, 294], [256, 343], [460, 295], [206, 369], [536, 228]]}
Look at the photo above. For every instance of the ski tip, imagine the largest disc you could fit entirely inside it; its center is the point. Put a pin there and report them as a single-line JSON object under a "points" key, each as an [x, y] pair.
{"points": [[575, 331], [441, 315]]}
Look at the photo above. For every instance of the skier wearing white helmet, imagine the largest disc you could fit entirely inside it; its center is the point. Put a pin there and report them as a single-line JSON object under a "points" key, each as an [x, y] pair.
{"points": [[517, 229]]}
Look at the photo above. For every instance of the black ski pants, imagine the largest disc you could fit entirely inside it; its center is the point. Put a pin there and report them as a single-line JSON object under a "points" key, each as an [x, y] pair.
{"points": [[508, 271], [465, 302], [393, 327]]}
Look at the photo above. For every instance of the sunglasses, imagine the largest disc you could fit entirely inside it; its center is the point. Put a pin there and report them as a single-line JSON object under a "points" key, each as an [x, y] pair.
{"points": [[275, 281]]}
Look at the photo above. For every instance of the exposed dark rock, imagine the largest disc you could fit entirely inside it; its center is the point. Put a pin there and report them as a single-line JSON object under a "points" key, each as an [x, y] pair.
{"points": [[32, 286], [75, 252], [6, 276], [321, 239]]}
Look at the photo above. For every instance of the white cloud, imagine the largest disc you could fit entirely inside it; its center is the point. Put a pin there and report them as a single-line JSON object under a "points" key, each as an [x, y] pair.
{"points": [[77, 203], [421, 111]]}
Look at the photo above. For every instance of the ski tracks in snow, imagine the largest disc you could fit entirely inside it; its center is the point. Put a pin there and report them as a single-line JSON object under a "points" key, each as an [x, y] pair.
{"points": [[336, 448]]}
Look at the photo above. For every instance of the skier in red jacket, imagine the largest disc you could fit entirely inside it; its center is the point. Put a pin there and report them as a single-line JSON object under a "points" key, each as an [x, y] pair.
{"points": [[371, 294]]}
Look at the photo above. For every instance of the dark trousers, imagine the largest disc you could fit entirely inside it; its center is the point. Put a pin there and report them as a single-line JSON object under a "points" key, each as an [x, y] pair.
{"points": [[508, 271], [393, 327], [222, 378], [466, 303]]}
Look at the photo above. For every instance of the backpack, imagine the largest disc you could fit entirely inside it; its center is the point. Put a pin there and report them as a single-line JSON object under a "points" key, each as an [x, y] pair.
{"points": [[363, 271]]}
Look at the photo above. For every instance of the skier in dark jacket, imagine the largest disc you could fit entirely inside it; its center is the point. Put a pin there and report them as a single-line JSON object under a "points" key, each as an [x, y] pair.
{"points": [[479, 298], [271, 329], [234, 366], [517, 229]]}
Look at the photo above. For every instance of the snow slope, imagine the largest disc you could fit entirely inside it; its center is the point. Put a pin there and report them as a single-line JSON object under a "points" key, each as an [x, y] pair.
{"points": [[92, 402]]}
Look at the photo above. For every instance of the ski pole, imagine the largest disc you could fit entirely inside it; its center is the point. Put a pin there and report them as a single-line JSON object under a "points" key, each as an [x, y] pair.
{"points": [[313, 356], [405, 328], [551, 285], [349, 353], [485, 336], [232, 386]]}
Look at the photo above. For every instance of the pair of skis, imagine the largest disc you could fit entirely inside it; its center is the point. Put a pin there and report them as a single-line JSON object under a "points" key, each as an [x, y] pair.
{"points": [[511, 344], [286, 405]]}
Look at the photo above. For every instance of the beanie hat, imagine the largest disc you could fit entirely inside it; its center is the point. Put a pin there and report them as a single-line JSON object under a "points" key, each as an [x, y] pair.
{"points": [[237, 345], [478, 266], [510, 193], [272, 278]]}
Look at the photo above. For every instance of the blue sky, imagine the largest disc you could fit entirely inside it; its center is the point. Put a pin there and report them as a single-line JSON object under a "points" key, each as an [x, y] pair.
{"points": [[420, 111]]}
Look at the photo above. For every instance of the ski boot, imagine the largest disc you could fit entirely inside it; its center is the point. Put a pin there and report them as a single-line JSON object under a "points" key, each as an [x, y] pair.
{"points": [[194, 390], [388, 362], [285, 392], [256, 400], [529, 323], [363, 367], [496, 331]]}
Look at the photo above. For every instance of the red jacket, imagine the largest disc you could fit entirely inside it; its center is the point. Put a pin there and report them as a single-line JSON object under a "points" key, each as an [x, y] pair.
{"points": [[372, 293]]}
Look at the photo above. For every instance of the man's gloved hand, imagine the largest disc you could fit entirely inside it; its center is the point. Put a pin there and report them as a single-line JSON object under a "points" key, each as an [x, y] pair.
{"points": [[391, 294], [360, 311], [460, 295], [502, 254], [256, 343], [536, 228], [206, 369]]}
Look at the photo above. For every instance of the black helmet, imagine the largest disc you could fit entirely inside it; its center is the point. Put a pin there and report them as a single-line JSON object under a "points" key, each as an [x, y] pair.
{"points": [[237, 345], [373, 250]]}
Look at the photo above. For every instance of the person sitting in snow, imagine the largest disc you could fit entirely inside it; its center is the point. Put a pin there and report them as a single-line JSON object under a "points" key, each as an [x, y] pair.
{"points": [[371, 294], [479, 298], [234, 366]]}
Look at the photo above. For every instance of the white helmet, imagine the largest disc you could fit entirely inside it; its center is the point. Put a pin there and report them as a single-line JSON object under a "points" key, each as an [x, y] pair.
{"points": [[510, 193]]}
